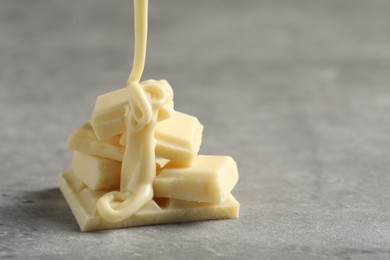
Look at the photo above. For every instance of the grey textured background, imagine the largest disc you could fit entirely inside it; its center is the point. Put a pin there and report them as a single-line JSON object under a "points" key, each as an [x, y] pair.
{"points": [[297, 91]]}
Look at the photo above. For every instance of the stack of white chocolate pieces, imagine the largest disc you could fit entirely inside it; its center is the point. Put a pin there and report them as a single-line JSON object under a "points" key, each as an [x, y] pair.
{"points": [[187, 187]]}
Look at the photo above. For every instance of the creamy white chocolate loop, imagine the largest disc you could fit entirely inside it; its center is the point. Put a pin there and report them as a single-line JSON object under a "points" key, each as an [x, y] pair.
{"points": [[157, 94], [116, 206], [168, 88], [164, 83], [144, 98]]}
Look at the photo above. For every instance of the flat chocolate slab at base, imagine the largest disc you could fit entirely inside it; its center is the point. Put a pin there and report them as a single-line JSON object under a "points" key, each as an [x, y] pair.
{"points": [[82, 202]]}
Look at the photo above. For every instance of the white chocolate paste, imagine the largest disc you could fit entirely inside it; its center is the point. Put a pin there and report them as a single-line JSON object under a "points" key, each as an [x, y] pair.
{"points": [[139, 162]]}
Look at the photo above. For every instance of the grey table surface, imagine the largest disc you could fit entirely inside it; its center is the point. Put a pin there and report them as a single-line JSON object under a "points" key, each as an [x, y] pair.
{"points": [[297, 91]]}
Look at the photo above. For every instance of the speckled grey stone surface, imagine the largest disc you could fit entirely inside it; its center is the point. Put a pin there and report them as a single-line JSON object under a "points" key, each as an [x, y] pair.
{"points": [[297, 91]]}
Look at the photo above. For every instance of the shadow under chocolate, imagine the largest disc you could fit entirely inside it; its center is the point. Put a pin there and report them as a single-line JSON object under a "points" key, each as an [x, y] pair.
{"points": [[37, 210]]}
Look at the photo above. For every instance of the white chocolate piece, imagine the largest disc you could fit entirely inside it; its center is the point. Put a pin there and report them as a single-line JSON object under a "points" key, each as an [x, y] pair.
{"points": [[83, 206], [111, 100], [110, 121], [178, 138], [97, 173], [84, 140], [210, 179]]}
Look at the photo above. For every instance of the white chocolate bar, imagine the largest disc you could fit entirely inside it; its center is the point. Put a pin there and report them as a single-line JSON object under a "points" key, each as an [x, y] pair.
{"points": [[210, 179], [84, 140], [109, 113], [99, 173], [159, 211], [87, 167], [178, 138]]}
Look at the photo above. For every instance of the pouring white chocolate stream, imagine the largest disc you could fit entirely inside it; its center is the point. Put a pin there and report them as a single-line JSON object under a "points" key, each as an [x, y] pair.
{"points": [[138, 166], [141, 36]]}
